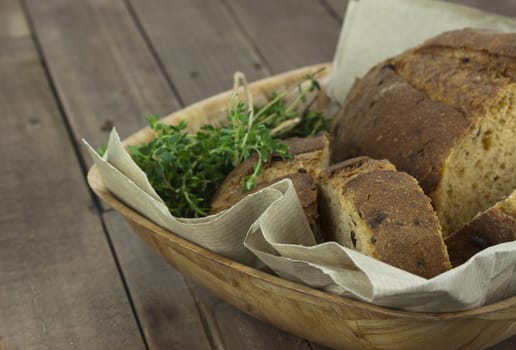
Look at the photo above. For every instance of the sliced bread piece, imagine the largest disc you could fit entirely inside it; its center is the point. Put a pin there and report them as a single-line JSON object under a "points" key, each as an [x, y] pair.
{"points": [[368, 206], [493, 226], [310, 156], [445, 113]]}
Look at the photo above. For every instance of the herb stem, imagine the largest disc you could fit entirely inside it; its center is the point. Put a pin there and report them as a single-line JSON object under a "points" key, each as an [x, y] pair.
{"points": [[271, 103], [240, 77], [193, 205], [299, 98], [269, 118], [286, 125]]}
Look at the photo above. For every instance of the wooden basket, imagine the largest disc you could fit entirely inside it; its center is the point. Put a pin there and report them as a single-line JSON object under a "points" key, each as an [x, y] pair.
{"points": [[321, 317]]}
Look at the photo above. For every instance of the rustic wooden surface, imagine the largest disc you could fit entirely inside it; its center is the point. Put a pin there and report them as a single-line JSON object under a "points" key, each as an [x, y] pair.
{"points": [[73, 275]]}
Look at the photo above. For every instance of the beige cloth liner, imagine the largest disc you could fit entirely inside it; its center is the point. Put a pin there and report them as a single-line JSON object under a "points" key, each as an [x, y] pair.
{"points": [[270, 227], [374, 30]]}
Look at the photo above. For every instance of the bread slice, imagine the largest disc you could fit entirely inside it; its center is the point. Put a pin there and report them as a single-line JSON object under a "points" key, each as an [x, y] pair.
{"points": [[445, 113], [310, 156], [368, 206], [493, 226]]}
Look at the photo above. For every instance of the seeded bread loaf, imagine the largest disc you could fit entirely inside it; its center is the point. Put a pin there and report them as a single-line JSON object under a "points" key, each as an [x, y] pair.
{"points": [[443, 112], [310, 156], [369, 206], [493, 226]]}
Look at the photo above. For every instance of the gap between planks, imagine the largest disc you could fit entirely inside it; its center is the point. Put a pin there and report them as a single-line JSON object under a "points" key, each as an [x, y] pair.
{"points": [[164, 72], [84, 169], [51, 301]]}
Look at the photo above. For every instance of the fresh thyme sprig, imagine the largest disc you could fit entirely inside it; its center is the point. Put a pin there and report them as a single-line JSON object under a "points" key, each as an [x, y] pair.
{"points": [[186, 169]]}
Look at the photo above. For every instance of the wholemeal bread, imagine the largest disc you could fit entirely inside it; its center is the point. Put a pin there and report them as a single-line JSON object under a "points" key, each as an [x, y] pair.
{"points": [[310, 156], [493, 226], [443, 112], [368, 206]]}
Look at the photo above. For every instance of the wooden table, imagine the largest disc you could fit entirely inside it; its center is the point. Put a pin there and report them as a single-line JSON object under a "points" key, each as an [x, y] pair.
{"points": [[72, 273]]}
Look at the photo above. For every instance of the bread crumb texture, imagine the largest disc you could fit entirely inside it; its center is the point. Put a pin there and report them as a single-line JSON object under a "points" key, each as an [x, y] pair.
{"points": [[493, 226]]}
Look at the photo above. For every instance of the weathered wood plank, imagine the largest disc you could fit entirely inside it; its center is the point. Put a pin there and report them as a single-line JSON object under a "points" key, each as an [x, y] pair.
{"points": [[199, 45], [509, 344], [104, 73], [288, 33], [338, 7], [501, 7], [101, 66], [168, 313], [60, 288], [237, 330], [199, 67]]}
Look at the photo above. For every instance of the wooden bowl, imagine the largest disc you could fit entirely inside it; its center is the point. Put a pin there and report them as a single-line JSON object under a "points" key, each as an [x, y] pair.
{"points": [[321, 317]]}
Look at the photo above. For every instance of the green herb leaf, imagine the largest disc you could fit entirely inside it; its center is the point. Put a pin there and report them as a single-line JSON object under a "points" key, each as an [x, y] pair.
{"points": [[186, 169]]}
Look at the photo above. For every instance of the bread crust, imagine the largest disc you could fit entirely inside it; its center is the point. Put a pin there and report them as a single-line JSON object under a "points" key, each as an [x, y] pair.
{"points": [[449, 81], [423, 108], [310, 155], [497, 43], [402, 228], [370, 124], [494, 226]]}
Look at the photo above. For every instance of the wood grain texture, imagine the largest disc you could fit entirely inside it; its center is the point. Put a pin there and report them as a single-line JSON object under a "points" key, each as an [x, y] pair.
{"points": [[237, 330], [509, 344], [338, 7], [101, 66], [168, 313], [199, 45], [202, 65], [288, 33], [59, 286], [105, 75], [501, 7]]}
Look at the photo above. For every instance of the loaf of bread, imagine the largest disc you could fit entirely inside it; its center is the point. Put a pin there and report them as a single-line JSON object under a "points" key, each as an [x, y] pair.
{"points": [[444, 112], [493, 226], [369, 206], [310, 156]]}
